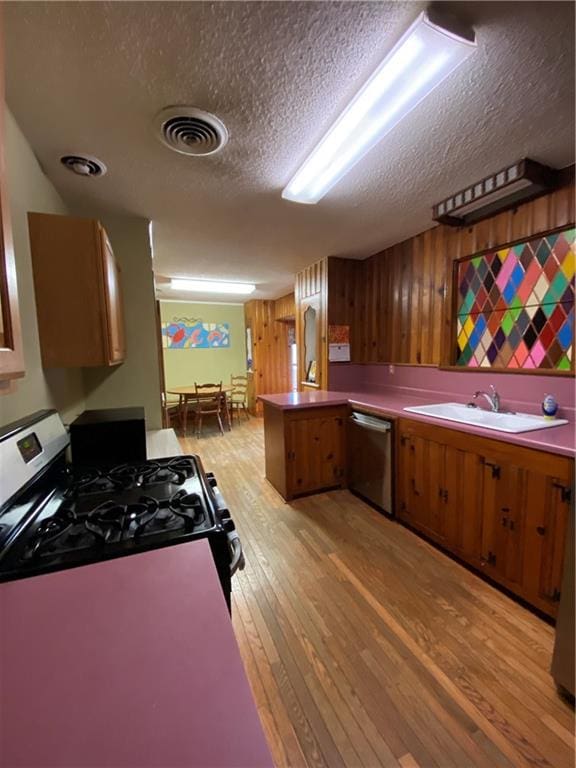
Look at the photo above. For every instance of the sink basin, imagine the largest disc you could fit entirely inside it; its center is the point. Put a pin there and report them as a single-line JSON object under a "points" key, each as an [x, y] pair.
{"points": [[478, 417]]}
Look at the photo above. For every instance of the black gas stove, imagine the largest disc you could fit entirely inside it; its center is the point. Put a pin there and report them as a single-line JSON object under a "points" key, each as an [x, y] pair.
{"points": [[62, 517]]}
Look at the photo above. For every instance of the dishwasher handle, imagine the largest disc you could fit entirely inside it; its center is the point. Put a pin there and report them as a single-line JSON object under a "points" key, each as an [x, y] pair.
{"points": [[372, 423]]}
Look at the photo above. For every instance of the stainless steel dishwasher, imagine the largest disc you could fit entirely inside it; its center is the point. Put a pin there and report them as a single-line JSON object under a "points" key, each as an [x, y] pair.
{"points": [[370, 459]]}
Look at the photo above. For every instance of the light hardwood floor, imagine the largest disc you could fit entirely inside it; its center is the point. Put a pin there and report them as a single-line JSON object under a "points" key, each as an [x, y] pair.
{"points": [[365, 646]]}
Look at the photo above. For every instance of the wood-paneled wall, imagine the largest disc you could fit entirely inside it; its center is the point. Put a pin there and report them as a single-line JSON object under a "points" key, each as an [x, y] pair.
{"points": [[394, 300], [285, 308], [270, 350]]}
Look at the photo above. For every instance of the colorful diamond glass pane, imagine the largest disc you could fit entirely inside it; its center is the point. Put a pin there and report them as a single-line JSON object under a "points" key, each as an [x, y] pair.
{"points": [[516, 305]]}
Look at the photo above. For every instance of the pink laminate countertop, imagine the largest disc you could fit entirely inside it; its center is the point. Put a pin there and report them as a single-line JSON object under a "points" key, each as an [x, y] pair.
{"points": [[128, 663], [391, 402], [308, 399]]}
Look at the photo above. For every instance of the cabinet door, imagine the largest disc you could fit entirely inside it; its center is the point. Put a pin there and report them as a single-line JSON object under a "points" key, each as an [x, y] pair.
{"points": [[403, 477], [420, 483], [315, 450], [502, 521], [547, 504], [114, 306], [11, 355], [462, 491]]}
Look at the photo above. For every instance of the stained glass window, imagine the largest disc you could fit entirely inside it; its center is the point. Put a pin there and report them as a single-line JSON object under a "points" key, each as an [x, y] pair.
{"points": [[515, 306]]}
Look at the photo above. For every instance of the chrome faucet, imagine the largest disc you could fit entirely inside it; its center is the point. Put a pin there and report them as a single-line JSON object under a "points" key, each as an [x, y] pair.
{"points": [[492, 397]]}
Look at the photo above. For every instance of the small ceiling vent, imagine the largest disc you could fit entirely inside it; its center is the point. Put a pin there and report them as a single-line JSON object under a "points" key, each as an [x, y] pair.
{"points": [[84, 165], [191, 131]]}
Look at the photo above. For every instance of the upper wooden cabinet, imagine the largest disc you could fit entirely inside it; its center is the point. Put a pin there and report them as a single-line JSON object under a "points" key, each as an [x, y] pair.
{"points": [[78, 292], [11, 357]]}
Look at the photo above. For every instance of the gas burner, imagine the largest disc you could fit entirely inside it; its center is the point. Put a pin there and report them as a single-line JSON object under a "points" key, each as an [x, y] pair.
{"points": [[189, 507], [176, 472], [51, 529], [134, 474], [90, 481], [112, 520], [183, 465]]}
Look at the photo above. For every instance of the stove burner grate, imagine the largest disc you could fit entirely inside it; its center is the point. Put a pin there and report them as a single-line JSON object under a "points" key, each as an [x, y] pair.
{"points": [[52, 529], [189, 507], [112, 518]]}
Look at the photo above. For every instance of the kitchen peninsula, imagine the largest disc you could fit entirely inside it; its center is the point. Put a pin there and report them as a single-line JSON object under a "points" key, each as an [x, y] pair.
{"points": [[498, 501]]}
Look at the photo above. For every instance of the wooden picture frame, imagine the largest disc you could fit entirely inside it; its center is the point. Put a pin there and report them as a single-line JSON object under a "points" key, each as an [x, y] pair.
{"points": [[311, 373], [450, 318]]}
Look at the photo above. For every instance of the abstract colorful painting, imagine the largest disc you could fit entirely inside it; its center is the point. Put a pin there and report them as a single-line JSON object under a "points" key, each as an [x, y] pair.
{"points": [[516, 306], [194, 334]]}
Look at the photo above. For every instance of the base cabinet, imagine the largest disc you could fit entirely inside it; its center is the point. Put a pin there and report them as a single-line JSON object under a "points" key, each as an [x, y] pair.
{"points": [[501, 508], [305, 449], [436, 481]]}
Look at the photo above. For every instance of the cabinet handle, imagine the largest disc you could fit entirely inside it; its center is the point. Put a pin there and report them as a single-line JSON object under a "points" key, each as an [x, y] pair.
{"points": [[495, 469], [445, 496], [504, 521], [556, 595], [565, 492], [540, 530], [414, 491]]}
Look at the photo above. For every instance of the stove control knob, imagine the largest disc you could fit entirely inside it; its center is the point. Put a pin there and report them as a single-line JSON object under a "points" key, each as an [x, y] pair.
{"points": [[211, 480], [228, 525]]}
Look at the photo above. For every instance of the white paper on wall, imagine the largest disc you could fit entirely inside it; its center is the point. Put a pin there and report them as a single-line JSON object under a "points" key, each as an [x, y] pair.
{"points": [[339, 353]]}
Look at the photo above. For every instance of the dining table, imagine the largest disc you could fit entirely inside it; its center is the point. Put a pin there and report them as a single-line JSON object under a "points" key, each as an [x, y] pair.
{"points": [[185, 394]]}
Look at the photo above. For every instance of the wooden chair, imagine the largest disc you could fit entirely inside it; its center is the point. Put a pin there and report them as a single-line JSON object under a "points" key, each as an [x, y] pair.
{"points": [[172, 411], [208, 403], [238, 398]]}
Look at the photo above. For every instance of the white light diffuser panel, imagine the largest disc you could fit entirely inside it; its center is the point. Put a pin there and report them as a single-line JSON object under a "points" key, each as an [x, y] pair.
{"points": [[211, 286], [421, 60]]}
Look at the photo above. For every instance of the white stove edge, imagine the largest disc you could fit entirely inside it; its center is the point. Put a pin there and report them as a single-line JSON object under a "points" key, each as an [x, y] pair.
{"points": [[15, 472]]}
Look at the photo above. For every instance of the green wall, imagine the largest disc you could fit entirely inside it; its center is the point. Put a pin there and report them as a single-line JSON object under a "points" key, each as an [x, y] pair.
{"points": [[30, 190], [183, 367]]}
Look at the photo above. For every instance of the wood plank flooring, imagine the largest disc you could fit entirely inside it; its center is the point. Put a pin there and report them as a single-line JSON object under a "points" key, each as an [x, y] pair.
{"points": [[365, 646]]}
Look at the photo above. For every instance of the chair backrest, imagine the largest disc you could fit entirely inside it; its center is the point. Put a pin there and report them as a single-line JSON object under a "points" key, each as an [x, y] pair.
{"points": [[239, 387], [207, 394]]}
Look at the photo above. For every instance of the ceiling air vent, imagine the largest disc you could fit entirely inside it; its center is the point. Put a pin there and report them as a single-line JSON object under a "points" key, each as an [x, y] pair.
{"points": [[191, 131], [84, 165]]}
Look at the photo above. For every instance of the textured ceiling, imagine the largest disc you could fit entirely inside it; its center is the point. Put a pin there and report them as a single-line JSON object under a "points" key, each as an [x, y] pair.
{"points": [[91, 76]]}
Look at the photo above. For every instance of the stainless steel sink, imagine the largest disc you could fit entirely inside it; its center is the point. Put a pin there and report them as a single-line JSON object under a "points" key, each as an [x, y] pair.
{"points": [[477, 417]]}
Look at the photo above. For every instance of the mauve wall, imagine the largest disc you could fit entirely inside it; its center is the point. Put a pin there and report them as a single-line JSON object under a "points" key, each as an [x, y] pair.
{"points": [[518, 392]]}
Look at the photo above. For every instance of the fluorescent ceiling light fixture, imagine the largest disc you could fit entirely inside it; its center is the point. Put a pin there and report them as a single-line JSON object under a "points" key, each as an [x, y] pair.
{"points": [[424, 56], [210, 286]]}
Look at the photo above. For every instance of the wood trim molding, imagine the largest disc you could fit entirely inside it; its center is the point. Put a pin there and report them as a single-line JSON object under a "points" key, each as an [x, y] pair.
{"points": [[11, 353]]}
